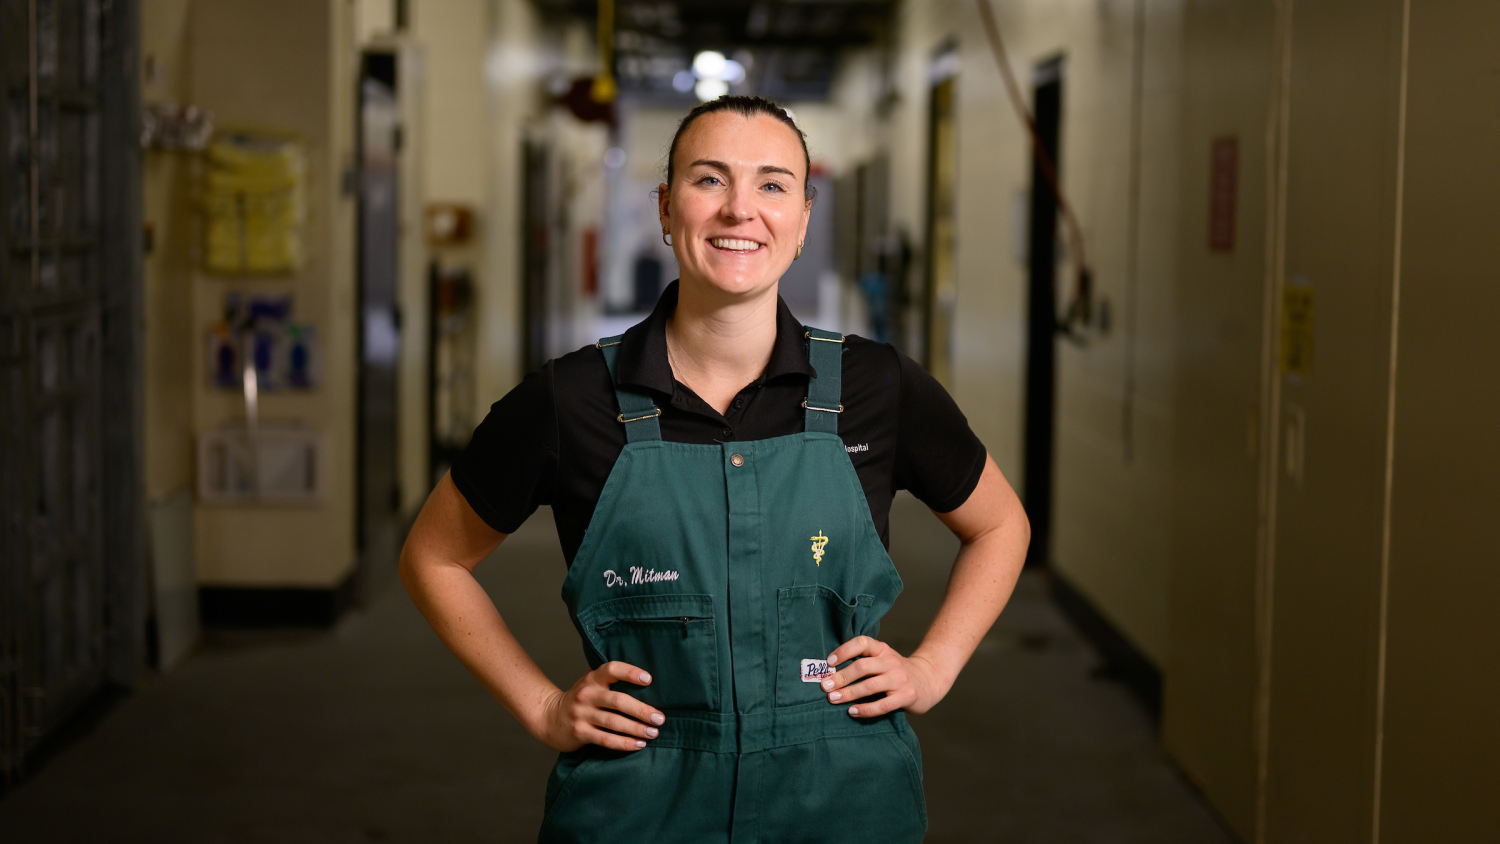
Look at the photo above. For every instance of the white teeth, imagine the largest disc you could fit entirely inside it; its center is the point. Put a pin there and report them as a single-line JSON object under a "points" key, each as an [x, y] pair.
{"points": [[735, 244]]}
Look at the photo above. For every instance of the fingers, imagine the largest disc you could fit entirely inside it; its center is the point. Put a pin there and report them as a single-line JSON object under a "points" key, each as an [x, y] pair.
{"points": [[594, 735], [621, 702], [890, 703], [866, 667], [618, 723], [873, 686], [621, 672], [858, 646]]}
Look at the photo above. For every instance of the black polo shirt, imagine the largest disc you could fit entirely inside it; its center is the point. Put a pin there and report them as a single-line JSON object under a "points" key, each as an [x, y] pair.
{"points": [[555, 437]]}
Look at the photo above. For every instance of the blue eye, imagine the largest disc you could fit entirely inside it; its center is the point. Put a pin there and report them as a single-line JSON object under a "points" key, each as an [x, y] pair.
{"points": [[706, 179], [775, 187]]}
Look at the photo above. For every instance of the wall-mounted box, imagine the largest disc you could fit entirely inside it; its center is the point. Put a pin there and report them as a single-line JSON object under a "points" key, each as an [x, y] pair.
{"points": [[275, 464]]}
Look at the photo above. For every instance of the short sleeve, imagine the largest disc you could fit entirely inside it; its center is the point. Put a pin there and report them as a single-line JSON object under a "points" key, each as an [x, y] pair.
{"points": [[938, 457], [509, 467]]}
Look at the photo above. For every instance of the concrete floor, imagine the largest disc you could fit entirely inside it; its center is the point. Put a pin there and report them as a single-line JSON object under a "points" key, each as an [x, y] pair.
{"points": [[373, 732]]}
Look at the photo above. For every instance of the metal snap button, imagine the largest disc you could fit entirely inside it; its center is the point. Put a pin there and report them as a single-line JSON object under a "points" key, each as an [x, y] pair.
{"points": [[737, 460]]}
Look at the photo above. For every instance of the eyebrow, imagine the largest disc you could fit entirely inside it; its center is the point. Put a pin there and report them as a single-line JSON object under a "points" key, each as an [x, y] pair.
{"points": [[764, 168]]}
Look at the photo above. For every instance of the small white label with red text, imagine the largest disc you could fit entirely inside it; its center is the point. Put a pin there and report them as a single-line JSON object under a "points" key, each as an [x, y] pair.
{"points": [[815, 670]]}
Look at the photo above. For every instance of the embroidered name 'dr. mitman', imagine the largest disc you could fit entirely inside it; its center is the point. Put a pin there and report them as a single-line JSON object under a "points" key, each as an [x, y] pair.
{"points": [[638, 576]]}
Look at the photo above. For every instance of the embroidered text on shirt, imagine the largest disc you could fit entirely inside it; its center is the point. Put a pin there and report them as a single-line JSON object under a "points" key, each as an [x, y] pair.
{"points": [[859, 447], [638, 575]]}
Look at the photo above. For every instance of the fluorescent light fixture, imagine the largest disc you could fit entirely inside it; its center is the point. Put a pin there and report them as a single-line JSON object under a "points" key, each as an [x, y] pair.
{"points": [[709, 64], [710, 89]]}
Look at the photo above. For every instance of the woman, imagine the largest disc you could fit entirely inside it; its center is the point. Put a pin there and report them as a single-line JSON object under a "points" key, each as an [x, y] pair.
{"points": [[721, 478]]}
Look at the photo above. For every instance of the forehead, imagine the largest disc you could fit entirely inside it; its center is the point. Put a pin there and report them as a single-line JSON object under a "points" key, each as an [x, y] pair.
{"points": [[736, 139]]}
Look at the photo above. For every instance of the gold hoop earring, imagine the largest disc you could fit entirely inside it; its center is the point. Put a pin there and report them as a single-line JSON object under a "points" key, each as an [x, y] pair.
{"points": [[799, 252], [665, 236]]}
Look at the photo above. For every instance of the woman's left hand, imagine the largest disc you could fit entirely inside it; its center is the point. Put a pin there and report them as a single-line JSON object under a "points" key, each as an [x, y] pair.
{"points": [[910, 683]]}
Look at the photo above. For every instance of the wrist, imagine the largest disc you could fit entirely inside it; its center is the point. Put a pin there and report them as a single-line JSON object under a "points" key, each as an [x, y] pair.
{"points": [[537, 719], [935, 677]]}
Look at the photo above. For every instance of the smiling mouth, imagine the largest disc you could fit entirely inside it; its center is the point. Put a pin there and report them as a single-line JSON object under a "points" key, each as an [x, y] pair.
{"points": [[733, 244]]}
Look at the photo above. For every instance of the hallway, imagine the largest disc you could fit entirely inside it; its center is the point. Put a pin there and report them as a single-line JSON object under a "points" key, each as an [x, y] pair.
{"points": [[371, 731]]}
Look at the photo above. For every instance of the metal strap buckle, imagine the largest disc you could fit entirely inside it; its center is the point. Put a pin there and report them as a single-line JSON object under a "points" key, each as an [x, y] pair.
{"points": [[808, 335], [656, 411], [824, 409]]}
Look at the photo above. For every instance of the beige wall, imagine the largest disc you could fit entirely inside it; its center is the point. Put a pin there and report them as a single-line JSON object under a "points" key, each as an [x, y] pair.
{"points": [[1111, 507], [246, 55], [1212, 669], [513, 67], [1361, 664], [1441, 745], [1255, 584], [166, 182]]}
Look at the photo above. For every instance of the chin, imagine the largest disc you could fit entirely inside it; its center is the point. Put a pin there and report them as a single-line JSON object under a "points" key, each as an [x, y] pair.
{"points": [[739, 283]]}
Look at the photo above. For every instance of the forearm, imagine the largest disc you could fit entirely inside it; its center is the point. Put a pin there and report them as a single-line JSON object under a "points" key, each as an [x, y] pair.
{"points": [[983, 577], [465, 618]]}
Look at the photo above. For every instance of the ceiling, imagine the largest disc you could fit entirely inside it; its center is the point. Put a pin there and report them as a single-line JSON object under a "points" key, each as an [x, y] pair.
{"points": [[789, 48]]}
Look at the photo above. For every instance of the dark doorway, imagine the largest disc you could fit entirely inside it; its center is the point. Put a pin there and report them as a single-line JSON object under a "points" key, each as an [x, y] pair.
{"points": [[1041, 315], [379, 499], [939, 298], [535, 246]]}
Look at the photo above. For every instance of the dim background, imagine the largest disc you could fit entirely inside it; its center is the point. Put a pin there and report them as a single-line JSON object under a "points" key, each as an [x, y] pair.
{"points": [[268, 262]]}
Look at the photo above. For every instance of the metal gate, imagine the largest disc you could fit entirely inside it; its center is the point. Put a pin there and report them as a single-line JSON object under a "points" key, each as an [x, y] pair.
{"points": [[70, 497]]}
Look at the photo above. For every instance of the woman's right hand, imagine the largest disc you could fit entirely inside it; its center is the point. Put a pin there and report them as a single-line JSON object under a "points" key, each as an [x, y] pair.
{"points": [[584, 713]]}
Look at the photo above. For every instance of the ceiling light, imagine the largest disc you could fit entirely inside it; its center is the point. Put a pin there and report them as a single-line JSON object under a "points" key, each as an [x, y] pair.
{"points": [[709, 64], [683, 81], [734, 72], [710, 89]]}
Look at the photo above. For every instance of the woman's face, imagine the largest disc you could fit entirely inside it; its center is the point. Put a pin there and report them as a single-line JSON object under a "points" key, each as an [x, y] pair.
{"points": [[737, 209]]}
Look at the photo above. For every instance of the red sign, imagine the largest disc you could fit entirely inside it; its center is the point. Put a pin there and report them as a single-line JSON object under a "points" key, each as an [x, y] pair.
{"points": [[1223, 187]]}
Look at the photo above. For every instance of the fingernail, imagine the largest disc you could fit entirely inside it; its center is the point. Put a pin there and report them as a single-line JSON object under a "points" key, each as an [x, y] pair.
{"points": [[833, 659], [836, 696], [640, 743], [651, 732], [658, 719], [827, 684], [853, 710], [645, 678]]}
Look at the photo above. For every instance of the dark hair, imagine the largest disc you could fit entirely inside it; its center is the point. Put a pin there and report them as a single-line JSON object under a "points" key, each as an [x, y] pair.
{"points": [[745, 107]]}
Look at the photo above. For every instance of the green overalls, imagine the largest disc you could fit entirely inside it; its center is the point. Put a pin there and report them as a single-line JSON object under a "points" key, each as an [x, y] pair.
{"points": [[730, 572]]}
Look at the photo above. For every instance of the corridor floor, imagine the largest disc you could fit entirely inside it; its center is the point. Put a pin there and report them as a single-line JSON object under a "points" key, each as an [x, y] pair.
{"points": [[372, 732]]}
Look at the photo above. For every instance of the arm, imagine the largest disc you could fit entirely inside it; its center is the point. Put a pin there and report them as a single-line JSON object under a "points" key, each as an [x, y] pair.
{"points": [[994, 533], [446, 542]]}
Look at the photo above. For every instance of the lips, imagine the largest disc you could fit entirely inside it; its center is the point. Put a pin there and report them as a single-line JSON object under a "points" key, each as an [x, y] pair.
{"points": [[734, 244]]}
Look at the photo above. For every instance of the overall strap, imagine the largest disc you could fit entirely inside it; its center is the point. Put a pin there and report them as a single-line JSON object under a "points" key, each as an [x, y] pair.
{"points": [[637, 411], [825, 351]]}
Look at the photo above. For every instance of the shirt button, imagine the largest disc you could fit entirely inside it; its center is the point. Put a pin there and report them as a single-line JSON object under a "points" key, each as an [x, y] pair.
{"points": [[737, 460], [739, 403], [727, 433]]}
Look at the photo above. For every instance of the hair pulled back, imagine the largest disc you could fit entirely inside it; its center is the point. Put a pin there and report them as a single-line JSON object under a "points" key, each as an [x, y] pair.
{"points": [[745, 107]]}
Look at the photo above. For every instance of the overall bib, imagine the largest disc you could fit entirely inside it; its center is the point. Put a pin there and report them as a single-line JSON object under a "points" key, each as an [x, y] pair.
{"points": [[730, 572]]}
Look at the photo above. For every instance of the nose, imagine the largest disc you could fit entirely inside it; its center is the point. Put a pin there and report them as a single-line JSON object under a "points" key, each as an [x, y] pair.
{"points": [[738, 204]]}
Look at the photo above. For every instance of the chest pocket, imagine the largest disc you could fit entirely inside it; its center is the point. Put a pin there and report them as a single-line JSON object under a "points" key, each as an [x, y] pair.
{"points": [[672, 637], [814, 620]]}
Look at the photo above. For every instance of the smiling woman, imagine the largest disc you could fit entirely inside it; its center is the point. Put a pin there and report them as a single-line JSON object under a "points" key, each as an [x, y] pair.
{"points": [[721, 476]]}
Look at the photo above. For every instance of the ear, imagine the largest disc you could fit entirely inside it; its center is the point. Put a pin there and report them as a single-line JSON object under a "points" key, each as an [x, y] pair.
{"points": [[663, 206], [806, 217]]}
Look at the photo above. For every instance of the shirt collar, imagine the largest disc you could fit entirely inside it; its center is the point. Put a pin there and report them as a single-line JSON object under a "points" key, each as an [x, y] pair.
{"points": [[643, 350]]}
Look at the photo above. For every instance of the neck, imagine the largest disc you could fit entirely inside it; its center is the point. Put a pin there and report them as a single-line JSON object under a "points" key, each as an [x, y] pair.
{"points": [[720, 343]]}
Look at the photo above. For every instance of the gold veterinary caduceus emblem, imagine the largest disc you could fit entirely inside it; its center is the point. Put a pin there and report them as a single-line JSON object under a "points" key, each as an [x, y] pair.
{"points": [[819, 542]]}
